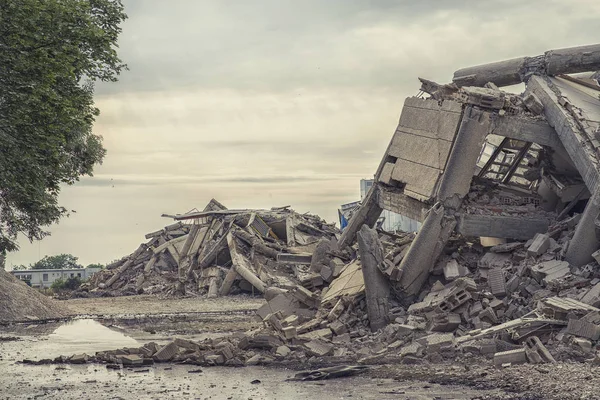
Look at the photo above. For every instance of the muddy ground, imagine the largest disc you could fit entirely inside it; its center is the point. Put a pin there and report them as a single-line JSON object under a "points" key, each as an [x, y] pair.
{"points": [[132, 321]]}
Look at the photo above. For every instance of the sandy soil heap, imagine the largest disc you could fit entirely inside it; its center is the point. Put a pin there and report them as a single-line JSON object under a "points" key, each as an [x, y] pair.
{"points": [[19, 302]]}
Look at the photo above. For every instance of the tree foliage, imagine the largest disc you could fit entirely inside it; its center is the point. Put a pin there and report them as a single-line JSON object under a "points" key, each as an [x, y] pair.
{"points": [[61, 261], [66, 284], [51, 53]]}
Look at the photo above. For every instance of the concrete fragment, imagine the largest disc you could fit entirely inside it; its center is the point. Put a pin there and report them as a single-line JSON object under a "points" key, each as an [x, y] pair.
{"points": [[283, 351], [305, 296], [455, 300], [319, 348], [541, 243], [537, 352], [284, 303], [166, 353], [445, 322], [586, 327], [550, 270], [79, 358], [130, 359], [584, 344], [496, 282], [517, 356], [215, 359], [592, 297], [289, 332], [338, 327], [451, 270], [413, 349], [436, 341]]}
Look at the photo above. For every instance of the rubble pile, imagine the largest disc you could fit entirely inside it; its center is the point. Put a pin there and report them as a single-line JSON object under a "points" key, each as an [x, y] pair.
{"points": [[513, 303], [219, 251]]}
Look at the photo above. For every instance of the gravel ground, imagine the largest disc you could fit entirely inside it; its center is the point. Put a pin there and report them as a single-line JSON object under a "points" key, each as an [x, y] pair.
{"points": [[561, 381]]}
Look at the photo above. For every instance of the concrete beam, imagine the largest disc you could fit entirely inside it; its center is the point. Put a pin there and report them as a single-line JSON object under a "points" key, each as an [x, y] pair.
{"points": [[527, 129], [520, 228], [511, 72]]}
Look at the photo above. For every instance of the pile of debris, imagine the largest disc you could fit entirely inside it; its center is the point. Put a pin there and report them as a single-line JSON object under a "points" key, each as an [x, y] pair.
{"points": [[19, 302], [218, 252], [513, 303], [505, 264]]}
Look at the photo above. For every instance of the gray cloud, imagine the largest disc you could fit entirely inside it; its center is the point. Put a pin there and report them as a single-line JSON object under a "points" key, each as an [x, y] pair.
{"points": [[275, 102]]}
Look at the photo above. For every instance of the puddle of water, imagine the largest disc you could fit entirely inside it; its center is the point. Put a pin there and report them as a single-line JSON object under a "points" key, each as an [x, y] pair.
{"points": [[81, 336]]}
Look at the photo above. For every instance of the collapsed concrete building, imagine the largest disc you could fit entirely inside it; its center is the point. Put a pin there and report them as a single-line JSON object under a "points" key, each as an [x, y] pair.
{"points": [[427, 172], [505, 265]]}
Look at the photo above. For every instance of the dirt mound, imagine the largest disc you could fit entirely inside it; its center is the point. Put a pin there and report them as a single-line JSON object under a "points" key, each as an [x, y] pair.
{"points": [[19, 302]]}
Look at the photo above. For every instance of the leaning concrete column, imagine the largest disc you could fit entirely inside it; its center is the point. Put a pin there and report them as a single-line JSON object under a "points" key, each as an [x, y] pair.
{"points": [[585, 241], [420, 256], [377, 287], [454, 186], [368, 213]]}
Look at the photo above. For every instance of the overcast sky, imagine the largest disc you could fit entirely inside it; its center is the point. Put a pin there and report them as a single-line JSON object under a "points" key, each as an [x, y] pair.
{"points": [[274, 102]]}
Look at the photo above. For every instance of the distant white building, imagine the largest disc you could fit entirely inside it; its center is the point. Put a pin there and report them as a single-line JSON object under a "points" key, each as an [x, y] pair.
{"points": [[44, 278], [391, 222]]}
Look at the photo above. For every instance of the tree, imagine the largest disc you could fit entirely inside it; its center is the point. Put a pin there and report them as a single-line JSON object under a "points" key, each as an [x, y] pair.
{"points": [[66, 284], [96, 265], [61, 261], [51, 53]]}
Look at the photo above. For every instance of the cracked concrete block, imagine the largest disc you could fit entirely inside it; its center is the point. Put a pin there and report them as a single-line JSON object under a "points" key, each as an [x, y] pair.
{"points": [[79, 358], [289, 332], [592, 297], [435, 341], [338, 327], [541, 243], [517, 356], [550, 270], [319, 348], [537, 352], [445, 322], [283, 351], [130, 359], [166, 353], [585, 327], [454, 301], [451, 270], [497, 282], [414, 349]]}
